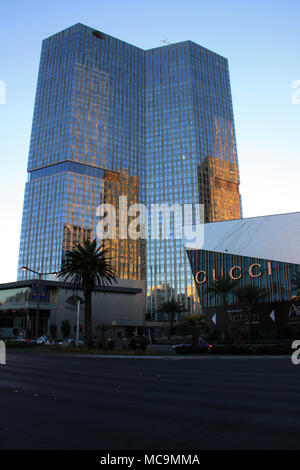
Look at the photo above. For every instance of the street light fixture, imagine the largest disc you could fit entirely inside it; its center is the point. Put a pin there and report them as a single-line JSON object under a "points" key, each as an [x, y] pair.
{"points": [[37, 317], [76, 300]]}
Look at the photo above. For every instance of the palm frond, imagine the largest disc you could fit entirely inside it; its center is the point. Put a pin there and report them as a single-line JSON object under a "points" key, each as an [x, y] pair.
{"points": [[88, 265]]}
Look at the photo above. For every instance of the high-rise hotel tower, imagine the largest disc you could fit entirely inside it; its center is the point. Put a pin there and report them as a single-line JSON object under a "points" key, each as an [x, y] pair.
{"points": [[110, 120]]}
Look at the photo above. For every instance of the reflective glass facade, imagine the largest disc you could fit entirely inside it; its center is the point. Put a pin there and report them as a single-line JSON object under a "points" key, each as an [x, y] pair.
{"points": [[111, 119], [18, 310], [87, 147], [191, 156], [274, 278]]}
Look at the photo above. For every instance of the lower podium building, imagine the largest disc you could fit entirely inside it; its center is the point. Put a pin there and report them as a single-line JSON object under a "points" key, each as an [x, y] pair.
{"points": [[259, 251], [119, 307]]}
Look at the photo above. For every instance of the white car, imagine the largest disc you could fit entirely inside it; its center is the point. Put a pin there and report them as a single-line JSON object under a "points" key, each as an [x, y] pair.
{"points": [[49, 342], [42, 340]]}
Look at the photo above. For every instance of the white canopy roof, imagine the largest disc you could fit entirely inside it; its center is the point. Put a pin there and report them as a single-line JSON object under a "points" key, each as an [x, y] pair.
{"points": [[273, 237]]}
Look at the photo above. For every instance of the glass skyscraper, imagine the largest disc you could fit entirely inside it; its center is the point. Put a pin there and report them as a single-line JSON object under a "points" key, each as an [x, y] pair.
{"points": [[111, 120]]}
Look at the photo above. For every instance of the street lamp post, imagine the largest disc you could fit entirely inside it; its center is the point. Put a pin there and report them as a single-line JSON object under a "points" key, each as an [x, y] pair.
{"points": [[37, 316], [76, 300]]}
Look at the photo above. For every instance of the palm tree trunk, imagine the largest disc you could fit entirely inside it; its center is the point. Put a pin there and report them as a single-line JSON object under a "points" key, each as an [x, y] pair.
{"points": [[88, 336], [171, 326]]}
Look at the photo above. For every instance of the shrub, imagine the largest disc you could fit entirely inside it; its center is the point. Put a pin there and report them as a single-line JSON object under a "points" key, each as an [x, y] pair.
{"points": [[111, 345], [132, 344], [232, 349], [101, 345], [19, 344], [143, 344], [138, 342], [275, 349], [185, 349]]}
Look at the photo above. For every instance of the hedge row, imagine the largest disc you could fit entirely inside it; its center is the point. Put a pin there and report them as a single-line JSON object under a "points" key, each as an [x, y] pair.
{"points": [[19, 344], [232, 349]]}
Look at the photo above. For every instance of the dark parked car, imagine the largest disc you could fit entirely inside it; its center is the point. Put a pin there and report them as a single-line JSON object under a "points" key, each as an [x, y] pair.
{"points": [[19, 339]]}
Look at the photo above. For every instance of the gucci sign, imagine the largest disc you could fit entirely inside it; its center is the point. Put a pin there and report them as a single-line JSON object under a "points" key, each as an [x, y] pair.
{"points": [[235, 273]]}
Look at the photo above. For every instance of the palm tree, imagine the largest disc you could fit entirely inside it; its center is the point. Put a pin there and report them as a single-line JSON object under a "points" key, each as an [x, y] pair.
{"points": [[171, 307], [196, 324], [88, 267], [222, 287], [249, 295]]}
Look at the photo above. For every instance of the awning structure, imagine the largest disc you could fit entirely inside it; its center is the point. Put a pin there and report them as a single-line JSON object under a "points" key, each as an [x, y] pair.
{"points": [[274, 237]]}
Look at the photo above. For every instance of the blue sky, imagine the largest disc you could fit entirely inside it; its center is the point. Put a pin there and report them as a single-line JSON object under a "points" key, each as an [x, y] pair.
{"points": [[260, 40]]}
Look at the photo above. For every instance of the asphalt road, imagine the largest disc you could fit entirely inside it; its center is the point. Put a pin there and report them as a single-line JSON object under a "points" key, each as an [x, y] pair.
{"points": [[67, 402]]}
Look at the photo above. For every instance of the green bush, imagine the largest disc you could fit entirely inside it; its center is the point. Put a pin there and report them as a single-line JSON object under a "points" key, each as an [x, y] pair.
{"points": [[257, 350], [190, 350], [143, 344], [132, 344], [111, 345], [138, 343], [19, 345], [232, 349], [275, 349]]}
